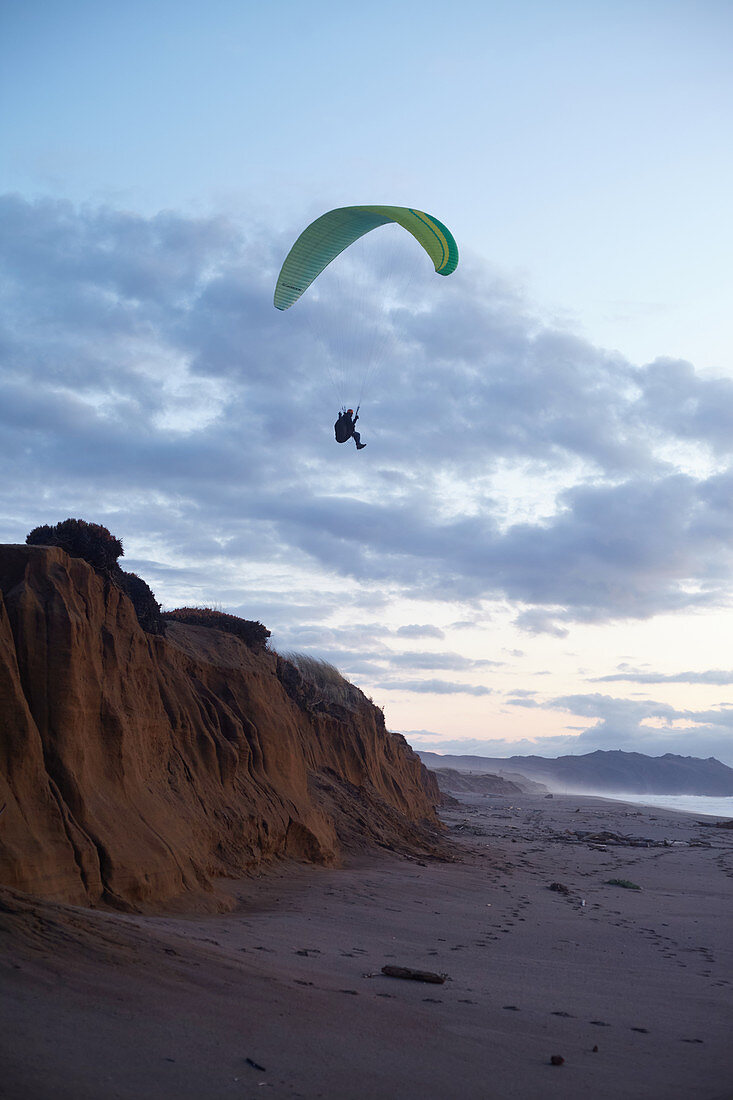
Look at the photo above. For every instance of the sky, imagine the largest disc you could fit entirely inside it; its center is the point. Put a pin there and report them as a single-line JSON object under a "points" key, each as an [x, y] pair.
{"points": [[534, 553]]}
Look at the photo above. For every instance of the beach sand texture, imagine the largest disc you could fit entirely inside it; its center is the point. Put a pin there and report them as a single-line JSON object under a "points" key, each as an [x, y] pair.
{"points": [[284, 996]]}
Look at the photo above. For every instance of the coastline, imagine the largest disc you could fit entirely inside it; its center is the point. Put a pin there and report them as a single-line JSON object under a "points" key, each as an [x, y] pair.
{"points": [[284, 996], [697, 805]]}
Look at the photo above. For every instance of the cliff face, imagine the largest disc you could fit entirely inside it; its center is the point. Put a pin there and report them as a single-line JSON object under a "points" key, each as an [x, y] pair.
{"points": [[455, 782], [134, 768]]}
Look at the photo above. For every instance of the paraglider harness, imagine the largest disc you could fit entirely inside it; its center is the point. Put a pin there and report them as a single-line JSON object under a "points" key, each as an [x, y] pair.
{"points": [[344, 426]]}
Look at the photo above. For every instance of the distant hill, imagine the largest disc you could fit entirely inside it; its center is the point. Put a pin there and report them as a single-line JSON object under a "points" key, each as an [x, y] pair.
{"points": [[603, 772]]}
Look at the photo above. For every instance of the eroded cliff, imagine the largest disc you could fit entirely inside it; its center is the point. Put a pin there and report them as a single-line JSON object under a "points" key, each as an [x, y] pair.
{"points": [[134, 768]]}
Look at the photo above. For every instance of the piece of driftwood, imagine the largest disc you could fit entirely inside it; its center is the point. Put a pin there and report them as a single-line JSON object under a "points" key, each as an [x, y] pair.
{"points": [[413, 975]]}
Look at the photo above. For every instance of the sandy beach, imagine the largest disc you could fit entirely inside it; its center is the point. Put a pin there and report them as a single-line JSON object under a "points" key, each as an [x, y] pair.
{"points": [[285, 995]]}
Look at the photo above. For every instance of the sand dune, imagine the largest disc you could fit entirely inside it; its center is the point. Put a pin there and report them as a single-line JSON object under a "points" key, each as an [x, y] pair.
{"points": [[284, 996]]}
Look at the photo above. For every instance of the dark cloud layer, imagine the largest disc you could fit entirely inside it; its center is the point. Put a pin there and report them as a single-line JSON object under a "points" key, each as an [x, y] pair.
{"points": [[148, 383]]}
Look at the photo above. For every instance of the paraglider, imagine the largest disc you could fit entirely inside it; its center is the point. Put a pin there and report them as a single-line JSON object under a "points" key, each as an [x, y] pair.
{"points": [[327, 237], [330, 234], [345, 428]]}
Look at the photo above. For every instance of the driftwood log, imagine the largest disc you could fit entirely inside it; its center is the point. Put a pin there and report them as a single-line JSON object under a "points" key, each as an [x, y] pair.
{"points": [[413, 975]]}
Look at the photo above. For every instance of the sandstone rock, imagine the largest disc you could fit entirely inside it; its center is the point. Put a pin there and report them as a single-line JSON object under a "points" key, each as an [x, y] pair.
{"points": [[137, 767]]}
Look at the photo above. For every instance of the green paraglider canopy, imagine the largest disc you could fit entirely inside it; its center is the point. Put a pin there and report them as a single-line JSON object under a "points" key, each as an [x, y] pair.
{"points": [[325, 238]]}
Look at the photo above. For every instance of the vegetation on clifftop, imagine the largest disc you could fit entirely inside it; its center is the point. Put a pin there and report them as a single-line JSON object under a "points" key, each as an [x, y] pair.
{"points": [[326, 678], [101, 549], [253, 634], [90, 541]]}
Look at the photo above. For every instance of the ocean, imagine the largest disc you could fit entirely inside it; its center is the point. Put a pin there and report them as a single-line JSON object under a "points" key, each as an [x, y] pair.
{"points": [[685, 803]]}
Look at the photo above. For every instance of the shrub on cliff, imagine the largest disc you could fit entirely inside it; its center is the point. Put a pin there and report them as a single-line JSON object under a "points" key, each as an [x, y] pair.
{"points": [[97, 546], [253, 634], [146, 606], [326, 679], [90, 541]]}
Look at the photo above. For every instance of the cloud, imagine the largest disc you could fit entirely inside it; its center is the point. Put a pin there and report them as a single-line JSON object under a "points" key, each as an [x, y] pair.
{"points": [[648, 726], [414, 630], [147, 383], [538, 620], [718, 677], [613, 710], [524, 699], [497, 747], [433, 687], [686, 406], [454, 661]]}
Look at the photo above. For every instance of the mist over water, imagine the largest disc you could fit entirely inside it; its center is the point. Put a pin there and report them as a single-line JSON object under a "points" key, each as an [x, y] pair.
{"points": [[699, 805]]}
